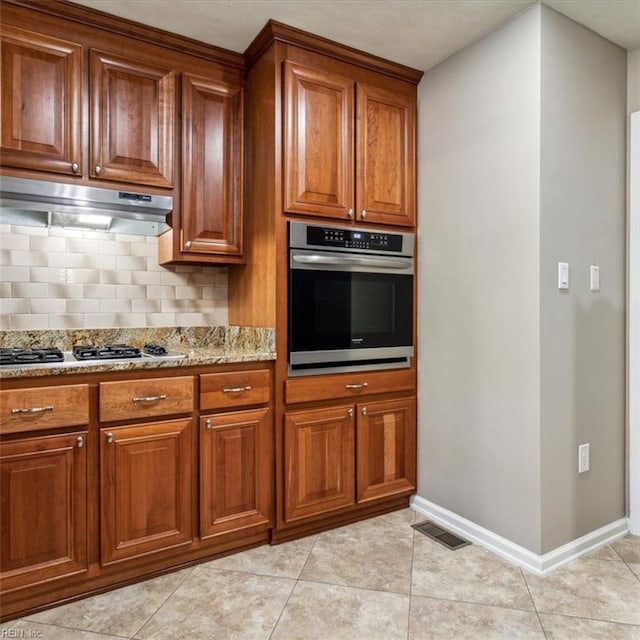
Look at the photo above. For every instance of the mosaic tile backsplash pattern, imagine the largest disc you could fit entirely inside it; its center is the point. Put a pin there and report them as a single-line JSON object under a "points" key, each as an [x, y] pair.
{"points": [[62, 278]]}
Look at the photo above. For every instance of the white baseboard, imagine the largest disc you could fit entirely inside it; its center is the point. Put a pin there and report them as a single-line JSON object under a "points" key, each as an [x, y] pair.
{"points": [[540, 565]]}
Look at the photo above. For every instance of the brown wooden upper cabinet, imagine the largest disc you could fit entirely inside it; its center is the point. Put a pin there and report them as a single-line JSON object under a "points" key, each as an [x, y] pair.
{"points": [[349, 148], [41, 102], [132, 120], [212, 121], [131, 111]]}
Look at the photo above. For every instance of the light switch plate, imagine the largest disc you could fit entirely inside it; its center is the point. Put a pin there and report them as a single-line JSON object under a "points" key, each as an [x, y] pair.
{"points": [[594, 277], [563, 275]]}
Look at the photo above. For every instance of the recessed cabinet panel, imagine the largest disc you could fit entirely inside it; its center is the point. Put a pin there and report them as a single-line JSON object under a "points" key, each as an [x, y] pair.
{"points": [[212, 120], [43, 509], [235, 461], [319, 142], [40, 98], [319, 461], [386, 152], [146, 488], [386, 448], [132, 120]]}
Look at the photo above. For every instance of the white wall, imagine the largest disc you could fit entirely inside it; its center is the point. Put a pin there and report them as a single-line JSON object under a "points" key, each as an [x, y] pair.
{"points": [[478, 299], [633, 81], [633, 292], [522, 165], [582, 221]]}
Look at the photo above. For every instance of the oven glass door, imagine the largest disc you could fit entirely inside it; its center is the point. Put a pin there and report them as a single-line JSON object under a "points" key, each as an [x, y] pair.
{"points": [[339, 310]]}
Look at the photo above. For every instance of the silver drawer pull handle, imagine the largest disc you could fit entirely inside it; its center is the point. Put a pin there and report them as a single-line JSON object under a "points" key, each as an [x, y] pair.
{"points": [[33, 409], [162, 396], [237, 389], [361, 385]]}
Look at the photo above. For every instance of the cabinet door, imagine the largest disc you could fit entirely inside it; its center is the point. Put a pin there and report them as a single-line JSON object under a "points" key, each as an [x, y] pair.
{"points": [[132, 120], [386, 157], [145, 473], [319, 461], [40, 98], [318, 143], [212, 121], [43, 509], [235, 471], [386, 451]]}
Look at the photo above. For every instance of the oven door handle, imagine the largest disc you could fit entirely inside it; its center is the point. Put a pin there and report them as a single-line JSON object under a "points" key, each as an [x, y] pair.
{"points": [[365, 261]]}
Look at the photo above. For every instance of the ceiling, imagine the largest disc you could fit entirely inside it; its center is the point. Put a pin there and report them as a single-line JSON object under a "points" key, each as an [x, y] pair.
{"points": [[417, 33]]}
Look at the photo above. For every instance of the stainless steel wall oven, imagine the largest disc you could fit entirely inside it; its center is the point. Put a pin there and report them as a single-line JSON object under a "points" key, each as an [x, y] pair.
{"points": [[350, 299]]}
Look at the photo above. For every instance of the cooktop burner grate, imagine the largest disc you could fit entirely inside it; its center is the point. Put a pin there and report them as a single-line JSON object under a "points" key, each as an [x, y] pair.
{"points": [[30, 356], [108, 352]]}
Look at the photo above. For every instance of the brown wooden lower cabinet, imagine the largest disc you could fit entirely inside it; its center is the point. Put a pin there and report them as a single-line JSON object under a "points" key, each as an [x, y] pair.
{"points": [[43, 509], [146, 482], [235, 471], [386, 448], [319, 461], [325, 471]]}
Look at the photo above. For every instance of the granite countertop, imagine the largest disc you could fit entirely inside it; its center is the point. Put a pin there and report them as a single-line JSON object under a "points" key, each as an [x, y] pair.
{"points": [[198, 345]]}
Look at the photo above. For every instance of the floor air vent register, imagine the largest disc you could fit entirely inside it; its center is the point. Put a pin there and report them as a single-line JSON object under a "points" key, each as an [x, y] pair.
{"points": [[440, 535]]}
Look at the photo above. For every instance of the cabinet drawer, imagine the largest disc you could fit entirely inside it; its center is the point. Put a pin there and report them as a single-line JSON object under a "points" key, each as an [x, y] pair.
{"points": [[351, 385], [44, 408], [234, 389], [145, 398]]}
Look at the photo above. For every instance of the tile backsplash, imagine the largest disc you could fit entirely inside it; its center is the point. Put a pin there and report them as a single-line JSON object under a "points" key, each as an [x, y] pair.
{"points": [[54, 278]]}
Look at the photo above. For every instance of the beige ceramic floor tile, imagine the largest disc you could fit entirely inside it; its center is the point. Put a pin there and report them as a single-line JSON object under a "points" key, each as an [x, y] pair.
{"points": [[628, 548], [635, 567], [331, 612], [119, 612], [26, 630], [283, 561], [431, 619], [469, 574], [228, 605], [565, 628], [596, 589], [373, 554], [604, 553]]}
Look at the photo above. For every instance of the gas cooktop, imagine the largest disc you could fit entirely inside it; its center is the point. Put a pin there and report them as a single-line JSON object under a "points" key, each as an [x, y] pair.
{"points": [[83, 355]]}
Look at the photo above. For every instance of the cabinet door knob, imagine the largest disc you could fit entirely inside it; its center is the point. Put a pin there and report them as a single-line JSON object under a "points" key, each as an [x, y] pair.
{"points": [[364, 213], [350, 413], [207, 424], [188, 244], [109, 437], [75, 167], [98, 169], [364, 411], [79, 442], [350, 213]]}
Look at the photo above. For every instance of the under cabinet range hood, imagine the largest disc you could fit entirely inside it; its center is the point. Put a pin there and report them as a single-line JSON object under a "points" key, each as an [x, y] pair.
{"points": [[41, 203]]}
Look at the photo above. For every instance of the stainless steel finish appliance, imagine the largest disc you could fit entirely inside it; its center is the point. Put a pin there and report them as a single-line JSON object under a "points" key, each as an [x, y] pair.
{"points": [[83, 355], [42, 203], [350, 299]]}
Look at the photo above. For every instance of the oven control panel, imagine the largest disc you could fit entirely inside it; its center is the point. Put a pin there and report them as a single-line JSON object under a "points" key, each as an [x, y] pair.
{"points": [[353, 239]]}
